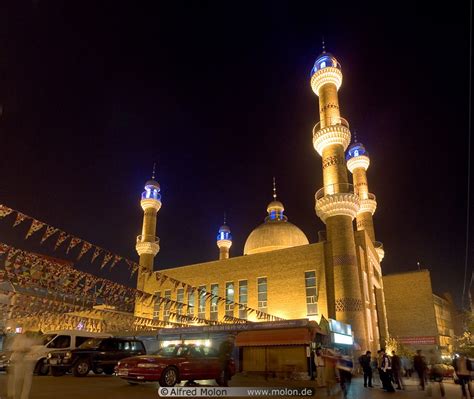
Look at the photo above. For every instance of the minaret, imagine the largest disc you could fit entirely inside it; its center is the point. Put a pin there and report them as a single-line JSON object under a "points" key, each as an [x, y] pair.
{"points": [[224, 241], [358, 162], [148, 245], [336, 202]]}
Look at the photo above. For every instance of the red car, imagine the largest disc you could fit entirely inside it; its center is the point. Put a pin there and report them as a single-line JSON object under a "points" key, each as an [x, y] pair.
{"points": [[174, 364]]}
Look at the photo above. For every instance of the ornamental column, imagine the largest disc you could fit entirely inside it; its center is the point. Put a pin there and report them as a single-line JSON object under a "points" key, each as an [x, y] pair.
{"points": [[148, 245], [336, 202], [358, 162]]}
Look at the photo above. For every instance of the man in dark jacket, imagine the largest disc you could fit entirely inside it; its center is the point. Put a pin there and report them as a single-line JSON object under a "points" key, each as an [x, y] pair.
{"points": [[386, 372], [225, 354], [419, 364], [365, 362], [397, 370]]}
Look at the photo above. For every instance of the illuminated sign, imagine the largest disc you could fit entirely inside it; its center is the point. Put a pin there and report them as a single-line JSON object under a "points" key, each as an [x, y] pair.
{"points": [[342, 339], [424, 340], [340, 327]]}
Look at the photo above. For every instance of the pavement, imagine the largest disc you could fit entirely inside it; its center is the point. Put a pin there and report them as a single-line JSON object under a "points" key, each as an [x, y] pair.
{"points": [[111, 387]]}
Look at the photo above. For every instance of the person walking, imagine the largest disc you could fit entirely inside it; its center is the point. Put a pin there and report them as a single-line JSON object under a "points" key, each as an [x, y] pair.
{"points": [[344, 368], [225, 353], [463, 367], [22, 365], [386, 372], [320, 373], [397, 371], [330, 360], [365, 362], [419, 364]]}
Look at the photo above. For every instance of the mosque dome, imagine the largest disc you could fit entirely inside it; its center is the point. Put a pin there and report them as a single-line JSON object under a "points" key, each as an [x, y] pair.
{"points": [[356, 149], [325, 60], [275, 233], [152, 183]]}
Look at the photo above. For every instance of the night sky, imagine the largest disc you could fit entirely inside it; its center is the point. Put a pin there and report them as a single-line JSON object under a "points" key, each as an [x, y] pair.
{"points": [[218, 94]]}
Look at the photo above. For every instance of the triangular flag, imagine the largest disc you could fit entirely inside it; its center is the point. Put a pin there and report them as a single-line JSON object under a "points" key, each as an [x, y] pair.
{"points": [[107, 257], [35, 226], [73, 243], [114, 262], [20, 217], [5, 211], [85, 247], [96, 253], [50, 230], [62, 237]]}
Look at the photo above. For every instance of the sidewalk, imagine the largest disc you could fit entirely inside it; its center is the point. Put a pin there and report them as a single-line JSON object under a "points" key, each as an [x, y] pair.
{"points": [[357, 390]]}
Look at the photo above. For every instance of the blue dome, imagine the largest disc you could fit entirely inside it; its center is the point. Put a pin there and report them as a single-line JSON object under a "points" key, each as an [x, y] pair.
{"points": [[356, 150], [323, 61], [224, 233], [152, 190]]}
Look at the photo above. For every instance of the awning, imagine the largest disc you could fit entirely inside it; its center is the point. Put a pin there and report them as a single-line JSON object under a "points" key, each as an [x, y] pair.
{"points": [[284, 336]]}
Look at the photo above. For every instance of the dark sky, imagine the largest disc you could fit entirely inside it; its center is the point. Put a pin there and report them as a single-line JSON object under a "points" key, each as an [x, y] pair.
{"points": [[218, 94]]}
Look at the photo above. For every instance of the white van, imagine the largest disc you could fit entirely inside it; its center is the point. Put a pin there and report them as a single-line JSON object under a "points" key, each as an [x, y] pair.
{"points": [[53, 340]]}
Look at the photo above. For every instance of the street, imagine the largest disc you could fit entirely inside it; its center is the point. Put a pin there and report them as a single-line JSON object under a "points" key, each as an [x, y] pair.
{"points": [[111, 387]]}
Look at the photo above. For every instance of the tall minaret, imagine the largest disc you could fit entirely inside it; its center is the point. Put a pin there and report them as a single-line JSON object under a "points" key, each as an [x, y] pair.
{"points": [[358, 162], [148, 245], [336, 202], [224, 241]]}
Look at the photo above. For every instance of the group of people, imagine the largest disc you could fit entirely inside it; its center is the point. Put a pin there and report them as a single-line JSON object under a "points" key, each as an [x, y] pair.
{"points": [[333, 367]]}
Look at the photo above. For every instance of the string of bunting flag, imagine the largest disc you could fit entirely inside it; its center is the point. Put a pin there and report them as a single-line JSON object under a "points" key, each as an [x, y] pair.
{"points": [[63, 238]]}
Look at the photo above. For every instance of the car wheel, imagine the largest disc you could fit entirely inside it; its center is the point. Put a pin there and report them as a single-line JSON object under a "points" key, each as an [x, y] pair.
{"points": [[42, 368], [56, 372], [169, 377], [108, 370], [98, 370], [81, 368]]}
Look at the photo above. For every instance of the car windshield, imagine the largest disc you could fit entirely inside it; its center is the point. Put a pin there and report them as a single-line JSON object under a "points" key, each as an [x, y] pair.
{"points": [[167, 351], [45, 338], [91, 343]]}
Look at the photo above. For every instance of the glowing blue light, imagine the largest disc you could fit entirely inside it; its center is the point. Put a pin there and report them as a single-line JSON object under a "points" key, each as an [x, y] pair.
{"points": [[356, 150], [224, 235], [151, 193]]}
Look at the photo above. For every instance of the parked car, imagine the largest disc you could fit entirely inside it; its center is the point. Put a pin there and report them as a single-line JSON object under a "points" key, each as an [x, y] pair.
{"points": [[174, 364], [64, 339], [96, 354], [439, 371]]}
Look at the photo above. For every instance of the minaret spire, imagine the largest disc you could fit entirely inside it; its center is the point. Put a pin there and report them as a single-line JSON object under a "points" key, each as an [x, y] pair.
{"points": [[274, 189], [323, 45], [154, 168]]}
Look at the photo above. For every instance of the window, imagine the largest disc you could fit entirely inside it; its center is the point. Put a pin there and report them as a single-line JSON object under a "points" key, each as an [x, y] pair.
{"points": [[214, 303], [191, 302], [81, 340], [322, 65], [180, 300], [243, 298], [166, 315], [229, 299], [202, 302], [369, 324], [156, 308], [366, 290], [262, 294], [60, 342], [311, 293]]}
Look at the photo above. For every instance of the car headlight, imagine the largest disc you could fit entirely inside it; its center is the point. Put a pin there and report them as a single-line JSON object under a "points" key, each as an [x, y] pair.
{"points": [[148, 365], [50, 355], [118, 364], [68, 355]]}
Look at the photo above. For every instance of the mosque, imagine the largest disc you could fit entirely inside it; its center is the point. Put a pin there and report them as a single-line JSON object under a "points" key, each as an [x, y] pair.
{"points": [[280, 273]]}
